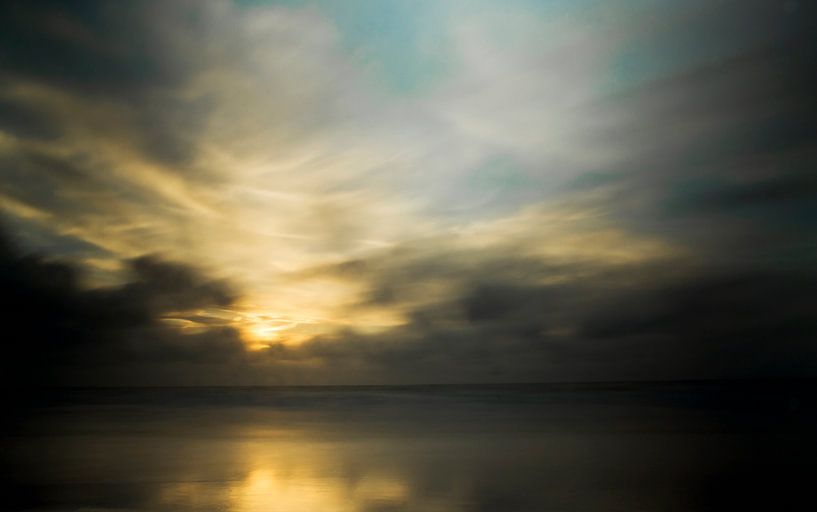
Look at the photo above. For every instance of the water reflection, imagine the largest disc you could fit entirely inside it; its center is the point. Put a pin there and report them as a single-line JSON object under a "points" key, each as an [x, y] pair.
{"points": [[288, 476], [450, 450]]}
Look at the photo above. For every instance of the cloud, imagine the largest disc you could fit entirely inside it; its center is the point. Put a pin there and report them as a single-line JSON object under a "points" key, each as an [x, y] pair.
{"points": [[58, 331], [550, 207], [186, 123], [124, 56], [665, 321], [24, 121], [720, 153]]}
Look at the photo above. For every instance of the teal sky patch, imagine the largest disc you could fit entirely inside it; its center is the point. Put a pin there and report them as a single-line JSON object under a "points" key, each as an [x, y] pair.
{"points": [[404, 45], [498, 174]]}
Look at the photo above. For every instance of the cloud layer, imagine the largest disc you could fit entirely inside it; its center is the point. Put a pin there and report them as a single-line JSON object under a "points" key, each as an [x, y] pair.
{"points": [[214, 192]]}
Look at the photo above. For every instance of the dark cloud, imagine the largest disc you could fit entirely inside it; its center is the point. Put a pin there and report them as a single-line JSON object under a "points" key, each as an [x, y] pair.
{"points": [[39, 179], [674, 320], [723, 153], [26, 122], [57, 332], [125, 55], [89, 47]]}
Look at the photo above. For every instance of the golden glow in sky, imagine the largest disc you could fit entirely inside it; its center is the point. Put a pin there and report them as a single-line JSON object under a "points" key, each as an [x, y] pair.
{"points": [[452, 189]]}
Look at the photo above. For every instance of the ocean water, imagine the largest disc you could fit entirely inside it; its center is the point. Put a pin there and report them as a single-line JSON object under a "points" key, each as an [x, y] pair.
{"points": [[601, 447]]}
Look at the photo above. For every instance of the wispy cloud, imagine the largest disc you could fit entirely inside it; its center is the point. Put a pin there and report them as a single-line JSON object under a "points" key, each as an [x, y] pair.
{"points": [[456, 191]]}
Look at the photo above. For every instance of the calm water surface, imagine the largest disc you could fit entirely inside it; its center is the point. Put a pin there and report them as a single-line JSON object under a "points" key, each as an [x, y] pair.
{"points": [[502, 448]]}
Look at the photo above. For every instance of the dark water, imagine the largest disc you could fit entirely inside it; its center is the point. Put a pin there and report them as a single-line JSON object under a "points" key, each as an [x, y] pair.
{"points": [[713, 446]]}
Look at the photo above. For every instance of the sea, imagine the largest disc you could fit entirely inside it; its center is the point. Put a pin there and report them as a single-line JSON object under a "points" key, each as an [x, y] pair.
{"points": [[671, 446]]}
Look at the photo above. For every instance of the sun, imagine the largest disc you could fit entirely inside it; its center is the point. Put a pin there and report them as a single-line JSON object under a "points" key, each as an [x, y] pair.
{"points": [[259, 336], [260, 329]]}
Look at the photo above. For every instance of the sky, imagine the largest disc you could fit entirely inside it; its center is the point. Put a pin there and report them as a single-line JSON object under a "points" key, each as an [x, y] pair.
{"points": [[396, 192]]}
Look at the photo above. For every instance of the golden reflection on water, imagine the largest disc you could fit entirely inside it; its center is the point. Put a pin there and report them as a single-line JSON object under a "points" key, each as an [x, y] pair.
{"points": [[337, 452], [289, 476]]}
